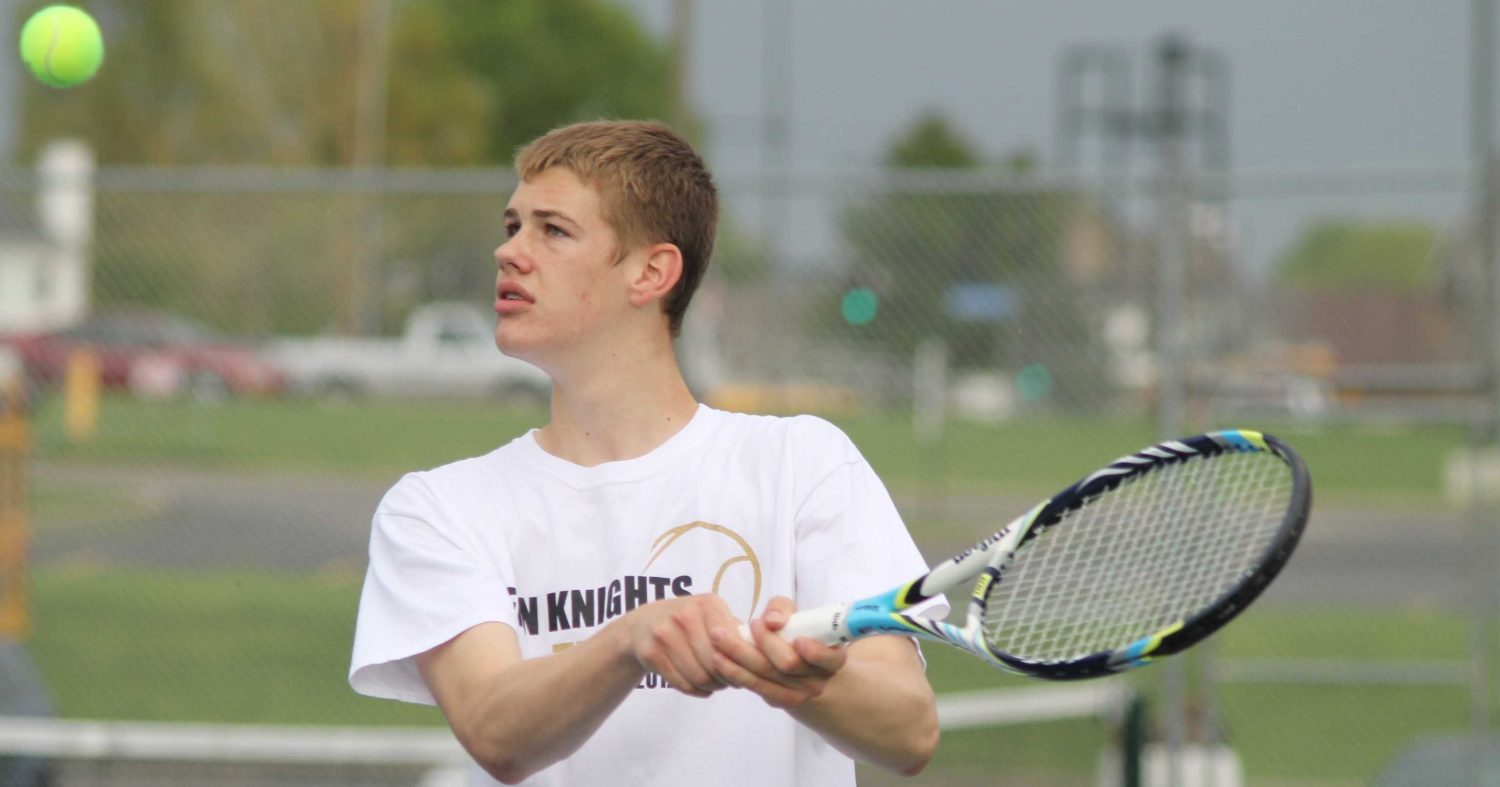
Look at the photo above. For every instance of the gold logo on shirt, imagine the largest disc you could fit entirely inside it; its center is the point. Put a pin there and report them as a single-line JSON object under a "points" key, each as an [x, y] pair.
{"points": [[747, 554]]}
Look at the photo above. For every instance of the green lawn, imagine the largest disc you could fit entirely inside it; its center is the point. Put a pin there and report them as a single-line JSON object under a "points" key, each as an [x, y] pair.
{"points": [[258, 647], [266, 648], [1328, 731], [1033, 456], [362, 438], [240, 647]]}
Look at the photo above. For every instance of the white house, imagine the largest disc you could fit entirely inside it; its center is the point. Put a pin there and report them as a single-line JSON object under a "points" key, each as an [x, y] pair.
{"points": [[44, 252]]}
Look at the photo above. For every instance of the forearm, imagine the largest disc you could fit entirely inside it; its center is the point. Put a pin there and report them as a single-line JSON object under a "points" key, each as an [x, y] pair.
{"points": [[876, 712], [504, 726]]}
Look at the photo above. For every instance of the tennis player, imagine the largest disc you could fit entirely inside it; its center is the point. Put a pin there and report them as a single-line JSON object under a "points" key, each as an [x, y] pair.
{"points": [[571, 600]]}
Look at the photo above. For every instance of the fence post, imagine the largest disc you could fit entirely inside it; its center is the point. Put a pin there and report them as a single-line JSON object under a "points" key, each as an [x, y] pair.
{"points": [[15, 452]]}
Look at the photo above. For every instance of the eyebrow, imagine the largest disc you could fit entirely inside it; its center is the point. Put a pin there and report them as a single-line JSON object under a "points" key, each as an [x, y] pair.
{"points": [[543, 214]]}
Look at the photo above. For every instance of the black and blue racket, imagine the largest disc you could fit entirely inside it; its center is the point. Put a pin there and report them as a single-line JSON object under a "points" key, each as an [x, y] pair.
{"points": [[1140, 560]]}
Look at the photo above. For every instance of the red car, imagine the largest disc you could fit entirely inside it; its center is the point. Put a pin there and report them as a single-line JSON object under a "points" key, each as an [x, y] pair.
{"points": [[151, 354]]}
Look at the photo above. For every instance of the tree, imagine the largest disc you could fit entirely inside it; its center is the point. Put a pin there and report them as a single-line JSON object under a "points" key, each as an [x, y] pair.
{"points": [[190, 83], [251, 82], [548, 62], [979, 267], [932, 143], [1351, 254]]}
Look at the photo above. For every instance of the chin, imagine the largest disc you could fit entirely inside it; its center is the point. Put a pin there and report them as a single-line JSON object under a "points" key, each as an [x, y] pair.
{"points": [[510, 345], [518, 347]]}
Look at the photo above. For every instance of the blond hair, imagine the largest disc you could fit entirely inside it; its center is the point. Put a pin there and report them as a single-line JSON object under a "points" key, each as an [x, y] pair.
{"points": [[653, 186]]}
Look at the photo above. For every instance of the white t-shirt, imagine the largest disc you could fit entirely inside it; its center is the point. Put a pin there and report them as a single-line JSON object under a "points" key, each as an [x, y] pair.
{"points": [[745, 506]]}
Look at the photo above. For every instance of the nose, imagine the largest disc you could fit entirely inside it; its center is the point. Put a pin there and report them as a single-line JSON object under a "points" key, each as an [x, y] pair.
{"points": [[510, 254]]}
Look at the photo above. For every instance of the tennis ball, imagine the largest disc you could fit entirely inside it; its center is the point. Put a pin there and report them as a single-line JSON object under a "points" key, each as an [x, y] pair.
{"points": [[62, 45]]}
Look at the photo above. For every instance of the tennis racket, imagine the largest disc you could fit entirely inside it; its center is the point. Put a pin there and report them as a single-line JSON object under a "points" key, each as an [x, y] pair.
{"points": [[1139, 560]]}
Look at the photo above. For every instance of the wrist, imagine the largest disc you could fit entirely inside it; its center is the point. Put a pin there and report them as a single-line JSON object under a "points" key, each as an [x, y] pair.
{"points": [[616, 641]]}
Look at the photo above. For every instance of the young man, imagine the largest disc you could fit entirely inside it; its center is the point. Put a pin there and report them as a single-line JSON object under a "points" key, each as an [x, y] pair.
{"points": [[571, 600]]}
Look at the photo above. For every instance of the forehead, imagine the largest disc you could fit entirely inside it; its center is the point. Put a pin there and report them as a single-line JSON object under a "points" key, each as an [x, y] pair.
{"points": [[557, 190]]}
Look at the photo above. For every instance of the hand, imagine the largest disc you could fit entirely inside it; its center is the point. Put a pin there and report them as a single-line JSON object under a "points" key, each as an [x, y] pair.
{"points": [[671, 638], [784, 674]]}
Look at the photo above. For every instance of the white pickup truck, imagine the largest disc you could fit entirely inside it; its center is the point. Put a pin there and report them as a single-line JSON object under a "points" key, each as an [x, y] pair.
{"points": [[447, 351]]}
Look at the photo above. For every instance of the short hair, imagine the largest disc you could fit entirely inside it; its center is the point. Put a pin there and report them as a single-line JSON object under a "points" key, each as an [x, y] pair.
{"points": [[653, 186]]}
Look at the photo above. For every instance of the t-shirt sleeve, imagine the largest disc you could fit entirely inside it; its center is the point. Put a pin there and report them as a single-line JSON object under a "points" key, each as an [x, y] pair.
{"points": [[426, 583], [851, 541]]}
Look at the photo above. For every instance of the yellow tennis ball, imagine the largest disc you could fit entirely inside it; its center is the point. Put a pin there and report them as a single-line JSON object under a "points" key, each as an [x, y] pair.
{"points": [[62, 45]]}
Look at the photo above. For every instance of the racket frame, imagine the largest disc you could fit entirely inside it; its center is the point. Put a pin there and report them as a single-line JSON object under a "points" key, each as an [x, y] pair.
{"points": [[887, 613]]}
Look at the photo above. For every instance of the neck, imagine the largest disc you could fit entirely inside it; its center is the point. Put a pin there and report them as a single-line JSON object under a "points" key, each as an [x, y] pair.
{"points": [[620, 407]]}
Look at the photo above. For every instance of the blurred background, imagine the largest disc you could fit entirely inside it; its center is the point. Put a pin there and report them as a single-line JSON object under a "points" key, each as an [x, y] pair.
{"points": [[244, 285]]}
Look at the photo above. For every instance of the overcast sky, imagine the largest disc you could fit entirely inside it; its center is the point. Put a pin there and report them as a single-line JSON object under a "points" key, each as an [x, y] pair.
{"points": [[1325, 84], [1317, 86]]}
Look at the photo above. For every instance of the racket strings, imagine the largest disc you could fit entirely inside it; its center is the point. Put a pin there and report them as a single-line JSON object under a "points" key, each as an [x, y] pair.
{"points": [[1160, 548]]}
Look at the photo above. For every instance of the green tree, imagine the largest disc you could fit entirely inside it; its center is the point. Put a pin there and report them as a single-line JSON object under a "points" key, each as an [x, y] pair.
{"points": [[1351, 254], [932, 143], [231, 82], [252, 82], [546, 62], [992, 244]]}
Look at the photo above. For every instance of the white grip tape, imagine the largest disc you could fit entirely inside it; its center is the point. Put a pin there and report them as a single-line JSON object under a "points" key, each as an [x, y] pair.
{"points": [[827, 625]]}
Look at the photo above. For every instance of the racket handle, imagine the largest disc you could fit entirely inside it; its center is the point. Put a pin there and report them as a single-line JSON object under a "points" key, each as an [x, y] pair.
{"points": [[827, 625]]}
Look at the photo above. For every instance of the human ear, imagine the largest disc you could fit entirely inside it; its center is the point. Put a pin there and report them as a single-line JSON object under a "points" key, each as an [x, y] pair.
{"points": [[658, 273]]}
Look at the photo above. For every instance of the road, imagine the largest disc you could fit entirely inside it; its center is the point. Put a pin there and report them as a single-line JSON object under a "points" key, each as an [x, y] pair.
{"points": [[223, 519], [207, 519]]}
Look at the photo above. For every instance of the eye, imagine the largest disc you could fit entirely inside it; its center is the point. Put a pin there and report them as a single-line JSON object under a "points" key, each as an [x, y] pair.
{"points": [[556, 231], [511, 228]]}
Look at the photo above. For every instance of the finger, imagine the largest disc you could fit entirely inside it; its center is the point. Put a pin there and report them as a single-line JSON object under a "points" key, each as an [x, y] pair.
{"points": [[780, 653], [744, 653], [697, 640], [775, 693], [751, 669], [657, 659], [693, 673], [778, 610], [674, 678], [673, 658], [827, 659]]}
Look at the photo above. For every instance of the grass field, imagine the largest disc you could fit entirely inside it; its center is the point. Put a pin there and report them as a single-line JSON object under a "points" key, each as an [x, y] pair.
{"points": [[267, 648], [1034, 456], [263, 647]]}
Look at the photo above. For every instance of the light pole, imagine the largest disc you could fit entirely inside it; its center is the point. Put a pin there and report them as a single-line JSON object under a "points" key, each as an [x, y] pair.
{"points": [[1485, 434], [1174, 119], [366, 157]]}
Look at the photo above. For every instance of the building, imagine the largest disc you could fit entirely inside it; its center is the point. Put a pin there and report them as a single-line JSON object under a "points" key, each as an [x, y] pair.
{"points": [[44, 246]]}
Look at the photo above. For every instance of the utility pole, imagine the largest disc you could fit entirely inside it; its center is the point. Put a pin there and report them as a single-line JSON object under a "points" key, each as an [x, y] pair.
{"points": [[1176, 249], [367, 155], [1485, 432], [1096, 97], [1175, 118], [10, 88], [372, 83], [776, 100], [681, 37], [1175, 235]]}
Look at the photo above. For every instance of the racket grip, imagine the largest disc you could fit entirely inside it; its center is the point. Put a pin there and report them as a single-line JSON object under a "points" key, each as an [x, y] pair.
{"points": [[828, 625]]}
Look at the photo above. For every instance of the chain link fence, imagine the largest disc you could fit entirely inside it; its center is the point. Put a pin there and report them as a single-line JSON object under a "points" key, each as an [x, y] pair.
{"points": [[201, 483]]}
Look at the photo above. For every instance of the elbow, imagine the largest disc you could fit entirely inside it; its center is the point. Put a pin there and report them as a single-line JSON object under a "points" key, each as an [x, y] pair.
{"points": [[501, 762], [924, 745], [505, 771], [499, 765], [502, 766]]}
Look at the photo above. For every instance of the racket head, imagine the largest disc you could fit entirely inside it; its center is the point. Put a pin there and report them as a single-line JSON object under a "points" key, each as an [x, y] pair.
{"points": [[1029, 610]]}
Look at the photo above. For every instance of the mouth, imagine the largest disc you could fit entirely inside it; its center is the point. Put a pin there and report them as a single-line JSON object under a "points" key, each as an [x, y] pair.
{"points": [[510, 291]]}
